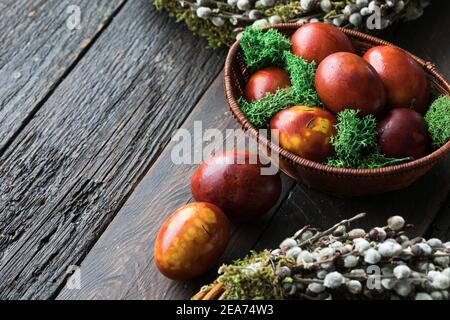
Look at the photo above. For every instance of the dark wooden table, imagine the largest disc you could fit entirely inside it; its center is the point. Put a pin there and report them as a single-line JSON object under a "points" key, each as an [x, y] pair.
{"points": [[86, 117]]}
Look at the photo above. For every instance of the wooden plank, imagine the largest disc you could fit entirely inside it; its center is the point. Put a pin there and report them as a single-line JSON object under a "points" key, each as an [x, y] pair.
{"points": [[418, 204], [73, 166], [38, 50], [120, 266], [440, 228]]}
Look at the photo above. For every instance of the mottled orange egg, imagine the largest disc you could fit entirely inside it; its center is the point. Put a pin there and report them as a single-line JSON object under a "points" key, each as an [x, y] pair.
{"points": [[191, 241], [305, 131]]}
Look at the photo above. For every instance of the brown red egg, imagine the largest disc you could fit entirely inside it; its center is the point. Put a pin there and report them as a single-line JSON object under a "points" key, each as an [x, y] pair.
{"points": [[403, 133], [234, 182], [404, 79], [264, 81], [316, 41], [191, 241], [305, 131], [346, 81]]}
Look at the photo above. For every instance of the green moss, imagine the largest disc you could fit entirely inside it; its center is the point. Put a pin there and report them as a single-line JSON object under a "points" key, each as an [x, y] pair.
{"points": [[438, 121], [302, 76], [262, 49], [252, 278], [260, 112], [355, 143]]}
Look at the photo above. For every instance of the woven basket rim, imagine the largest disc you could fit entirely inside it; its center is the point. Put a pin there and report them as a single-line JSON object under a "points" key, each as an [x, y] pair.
{"points": [[247, 127]]}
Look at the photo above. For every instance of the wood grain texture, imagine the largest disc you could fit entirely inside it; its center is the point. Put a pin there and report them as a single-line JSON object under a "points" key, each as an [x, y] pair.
{"points": [[120, 266], [38, 50], [72, 167]]}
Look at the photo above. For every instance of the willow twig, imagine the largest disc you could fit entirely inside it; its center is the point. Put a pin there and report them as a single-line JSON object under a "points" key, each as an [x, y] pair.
{"points": [[332, 229]]}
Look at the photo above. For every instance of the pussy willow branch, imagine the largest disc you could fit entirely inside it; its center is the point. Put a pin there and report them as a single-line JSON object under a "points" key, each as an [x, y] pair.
{"points": [[329, 231], [222, 14], [299, 233]]}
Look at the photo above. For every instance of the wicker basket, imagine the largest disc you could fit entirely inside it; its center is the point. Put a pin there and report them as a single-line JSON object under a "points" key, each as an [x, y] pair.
{"points": [[342, 182]]}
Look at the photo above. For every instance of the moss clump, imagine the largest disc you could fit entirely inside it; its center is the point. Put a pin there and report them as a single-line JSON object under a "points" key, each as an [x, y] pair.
{"points": [[261, 111], [262, 49], [355, 143], [302, 76], [252, 278], [438, 121], [274, 48]]}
